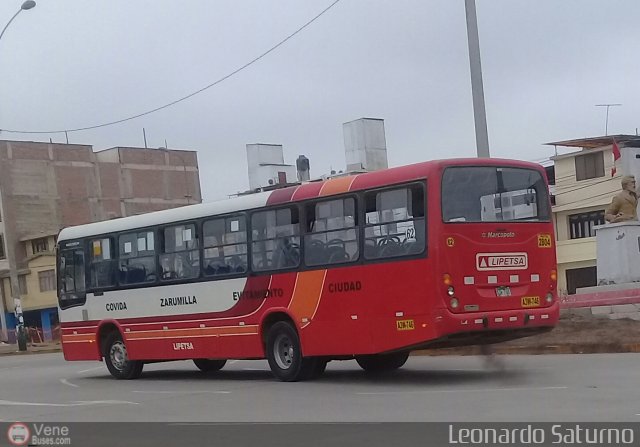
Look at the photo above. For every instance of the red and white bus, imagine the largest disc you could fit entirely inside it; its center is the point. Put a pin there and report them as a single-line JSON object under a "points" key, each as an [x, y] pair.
{"points": [[367, 267]]}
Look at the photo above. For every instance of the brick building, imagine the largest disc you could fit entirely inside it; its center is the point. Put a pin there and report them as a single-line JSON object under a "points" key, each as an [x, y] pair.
{"points": [[45, 187]]}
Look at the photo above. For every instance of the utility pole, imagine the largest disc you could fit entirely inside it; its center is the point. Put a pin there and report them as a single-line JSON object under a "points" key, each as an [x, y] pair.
{"points": [[477, 91], [9, 235], [606, 123], [9, 242]]}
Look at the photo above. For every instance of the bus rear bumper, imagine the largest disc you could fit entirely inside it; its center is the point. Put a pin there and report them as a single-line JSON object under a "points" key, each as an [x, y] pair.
{"points": [[496, 326]]}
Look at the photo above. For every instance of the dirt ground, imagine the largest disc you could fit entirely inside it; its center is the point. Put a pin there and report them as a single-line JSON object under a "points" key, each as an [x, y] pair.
{"points": [[576, 329], [573, 334]]}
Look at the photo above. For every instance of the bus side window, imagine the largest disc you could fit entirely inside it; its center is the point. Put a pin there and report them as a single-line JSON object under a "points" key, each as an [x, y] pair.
{"points": [[225, 246], [102, 266], [332, 235], [276, 240], [395, 222], [137, 260], [180, 258]]}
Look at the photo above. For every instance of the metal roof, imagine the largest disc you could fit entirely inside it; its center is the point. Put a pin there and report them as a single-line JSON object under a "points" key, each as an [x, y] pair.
{"points": [[594, 142]]}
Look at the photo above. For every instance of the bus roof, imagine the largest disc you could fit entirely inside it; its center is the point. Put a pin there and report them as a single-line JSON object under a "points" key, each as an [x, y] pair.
{"points": [[309, 190]]}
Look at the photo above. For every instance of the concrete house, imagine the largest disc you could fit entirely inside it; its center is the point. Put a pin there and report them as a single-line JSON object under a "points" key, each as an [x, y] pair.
{"points": [[584, 186]]}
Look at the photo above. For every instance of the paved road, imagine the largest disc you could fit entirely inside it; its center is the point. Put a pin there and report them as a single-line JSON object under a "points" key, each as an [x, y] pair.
{"points": [[598, 387]]}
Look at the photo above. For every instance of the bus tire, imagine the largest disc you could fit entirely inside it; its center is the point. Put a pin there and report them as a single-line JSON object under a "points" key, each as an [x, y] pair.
{"points": [[209, 365], [284, 354], [115, 356], [382, 362]]}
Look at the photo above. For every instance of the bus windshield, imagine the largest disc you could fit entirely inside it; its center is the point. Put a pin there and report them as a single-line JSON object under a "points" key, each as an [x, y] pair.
{"points": [[494, 194]]}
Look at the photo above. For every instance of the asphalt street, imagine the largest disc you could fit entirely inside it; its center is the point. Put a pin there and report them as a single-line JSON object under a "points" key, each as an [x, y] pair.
{"points": [[596, 387]]}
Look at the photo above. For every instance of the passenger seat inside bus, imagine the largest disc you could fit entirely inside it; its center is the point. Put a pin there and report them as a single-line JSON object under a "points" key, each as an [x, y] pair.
{"points": [[131, 274]]}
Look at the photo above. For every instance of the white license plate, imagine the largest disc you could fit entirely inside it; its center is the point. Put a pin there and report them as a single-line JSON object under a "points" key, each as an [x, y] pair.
{"points": [[503, 291]]}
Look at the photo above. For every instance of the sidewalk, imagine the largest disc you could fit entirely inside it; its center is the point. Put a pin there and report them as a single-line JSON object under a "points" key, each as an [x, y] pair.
{"points": [[32, 348]]}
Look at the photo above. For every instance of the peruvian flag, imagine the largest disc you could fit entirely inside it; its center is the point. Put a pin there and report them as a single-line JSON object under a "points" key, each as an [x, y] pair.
{"points": [[616, 156]]}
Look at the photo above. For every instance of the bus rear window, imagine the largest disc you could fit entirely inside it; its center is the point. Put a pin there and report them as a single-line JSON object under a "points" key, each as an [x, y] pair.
{"points": [[494, 194]]}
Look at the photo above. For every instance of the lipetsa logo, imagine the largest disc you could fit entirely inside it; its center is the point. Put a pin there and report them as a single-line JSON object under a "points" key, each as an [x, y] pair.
{"points": [[501, 261]]}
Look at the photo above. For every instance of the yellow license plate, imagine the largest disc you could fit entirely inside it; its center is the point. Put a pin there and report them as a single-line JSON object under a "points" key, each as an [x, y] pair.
{"points": [[544, 241], [405, 325], [530, 301]]}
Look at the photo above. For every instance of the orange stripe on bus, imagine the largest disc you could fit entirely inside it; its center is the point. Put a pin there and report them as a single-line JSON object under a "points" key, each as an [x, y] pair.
{"points": [[78, 337], [191, 332], [336, 185], [307, 293]]}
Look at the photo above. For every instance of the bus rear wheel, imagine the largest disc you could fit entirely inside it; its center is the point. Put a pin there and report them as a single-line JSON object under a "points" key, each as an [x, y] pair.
{"points": [[209, 365], [118, 363], [382, 362], [284, 354]]}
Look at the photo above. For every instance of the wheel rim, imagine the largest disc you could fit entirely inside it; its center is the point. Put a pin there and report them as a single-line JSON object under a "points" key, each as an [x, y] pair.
{"points": [[283, 351], [118, 355]]}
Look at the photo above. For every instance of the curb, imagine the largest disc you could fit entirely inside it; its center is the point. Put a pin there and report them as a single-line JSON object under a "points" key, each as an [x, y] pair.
{"points": [[32, 351]]}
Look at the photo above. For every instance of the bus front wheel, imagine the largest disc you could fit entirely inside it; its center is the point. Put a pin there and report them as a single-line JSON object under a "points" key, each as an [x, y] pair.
{"points": [[209, 365], [382, 362], [284, 354], [118, 363]]}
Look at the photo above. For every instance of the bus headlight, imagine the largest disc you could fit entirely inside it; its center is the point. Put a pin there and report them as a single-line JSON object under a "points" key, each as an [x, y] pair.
{"points": [[450, 291], [454, 303], [549, 297]]}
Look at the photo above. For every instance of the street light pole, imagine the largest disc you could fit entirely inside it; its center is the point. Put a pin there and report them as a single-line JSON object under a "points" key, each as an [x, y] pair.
{"points": [[477, 90], [29, 4], [9, 236]]}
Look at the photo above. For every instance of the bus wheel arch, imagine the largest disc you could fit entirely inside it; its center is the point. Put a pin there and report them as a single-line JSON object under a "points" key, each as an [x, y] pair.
{"points": [[114, 352], [283, 350], [104, 331], [268, 322]]}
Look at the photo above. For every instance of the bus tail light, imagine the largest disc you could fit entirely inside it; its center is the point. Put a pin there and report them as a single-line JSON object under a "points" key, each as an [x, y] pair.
{"points": [[454, 303], [446, 278], [450, 291], [554, 275], [549, 297]]}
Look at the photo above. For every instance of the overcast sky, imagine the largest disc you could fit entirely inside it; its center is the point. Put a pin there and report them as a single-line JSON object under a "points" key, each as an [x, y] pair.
{"points": [[546, 63]]}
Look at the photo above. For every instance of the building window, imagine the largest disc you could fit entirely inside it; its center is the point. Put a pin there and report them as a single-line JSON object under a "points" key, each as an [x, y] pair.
{"points": [[2, 253], [22, 284], [590, 166], [40, 245], [581, 225], [225, 246], [47, 280]]}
